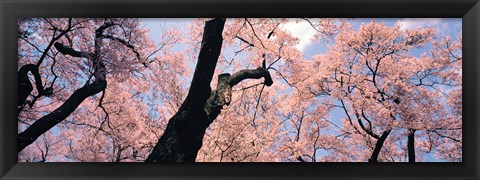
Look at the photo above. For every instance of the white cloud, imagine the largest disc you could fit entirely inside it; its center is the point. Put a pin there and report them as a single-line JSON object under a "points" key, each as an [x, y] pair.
{"points": [[409, 23], [301, 30]]}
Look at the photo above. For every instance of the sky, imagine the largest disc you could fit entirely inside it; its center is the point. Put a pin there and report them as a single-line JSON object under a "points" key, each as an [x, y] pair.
{"points": [[304, 32]]}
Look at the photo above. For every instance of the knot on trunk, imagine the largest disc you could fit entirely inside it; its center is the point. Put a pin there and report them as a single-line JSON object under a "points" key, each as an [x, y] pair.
{"points": [[220, 97]]}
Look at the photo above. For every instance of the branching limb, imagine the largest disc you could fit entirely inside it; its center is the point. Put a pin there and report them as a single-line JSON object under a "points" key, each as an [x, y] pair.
{"points": [[48, 121], [127, 44], [255, 34]]}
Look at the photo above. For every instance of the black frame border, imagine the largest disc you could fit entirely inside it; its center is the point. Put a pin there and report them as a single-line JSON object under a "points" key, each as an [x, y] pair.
{"points": [[11, 10]]}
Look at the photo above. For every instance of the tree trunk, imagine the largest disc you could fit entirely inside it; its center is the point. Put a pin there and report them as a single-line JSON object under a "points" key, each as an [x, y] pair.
{"points": [[182, 139], [378, 146], [184, 133], [411, 146]]}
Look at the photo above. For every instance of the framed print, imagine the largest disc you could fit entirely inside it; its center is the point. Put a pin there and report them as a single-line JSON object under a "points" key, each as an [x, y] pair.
{"points": [[251, 89]]}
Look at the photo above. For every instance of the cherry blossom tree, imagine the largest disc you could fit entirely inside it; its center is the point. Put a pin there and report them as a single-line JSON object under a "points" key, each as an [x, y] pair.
{"points": [[379, 93], [76, 50], [387, 93]]}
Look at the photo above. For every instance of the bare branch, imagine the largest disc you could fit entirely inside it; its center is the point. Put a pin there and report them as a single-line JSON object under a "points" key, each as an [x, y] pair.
{"points": [[254, 33], [256, 107]]}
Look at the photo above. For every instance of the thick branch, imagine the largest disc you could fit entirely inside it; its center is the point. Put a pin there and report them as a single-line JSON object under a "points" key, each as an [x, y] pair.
{"points": [[368, 131], [98, 65], [45, 123], [299, 158], [66, 50], [102, 28], [42, 125], [24, 85], [250, 74]]}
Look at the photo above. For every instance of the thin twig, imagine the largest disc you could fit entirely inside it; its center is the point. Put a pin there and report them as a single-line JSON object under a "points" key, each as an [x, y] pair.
{"points": [[256, 107]]}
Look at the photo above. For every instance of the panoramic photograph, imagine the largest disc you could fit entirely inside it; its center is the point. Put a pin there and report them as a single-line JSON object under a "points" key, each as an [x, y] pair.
{"points": [[239, 90]]}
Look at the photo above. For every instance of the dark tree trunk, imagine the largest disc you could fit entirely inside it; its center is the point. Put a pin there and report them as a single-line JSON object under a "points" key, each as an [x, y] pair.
{"points": [[411, 146], [378, 146], [184, 133], [182, 139]]}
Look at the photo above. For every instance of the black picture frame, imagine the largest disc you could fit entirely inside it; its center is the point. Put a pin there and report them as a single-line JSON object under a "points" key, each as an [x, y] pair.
{"points": [[469, 10]]}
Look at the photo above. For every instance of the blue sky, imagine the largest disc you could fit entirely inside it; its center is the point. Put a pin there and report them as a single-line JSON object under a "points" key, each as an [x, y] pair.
{"points": [[303, 31]]}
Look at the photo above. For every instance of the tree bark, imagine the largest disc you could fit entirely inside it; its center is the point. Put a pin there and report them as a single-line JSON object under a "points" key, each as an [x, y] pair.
{"points": [[182, 139], [184, 133], [378, 146], [411, 146], [222, 96]]}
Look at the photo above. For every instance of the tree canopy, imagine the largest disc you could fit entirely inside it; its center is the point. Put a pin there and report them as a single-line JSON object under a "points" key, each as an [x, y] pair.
{"points": [[237, 90]]}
